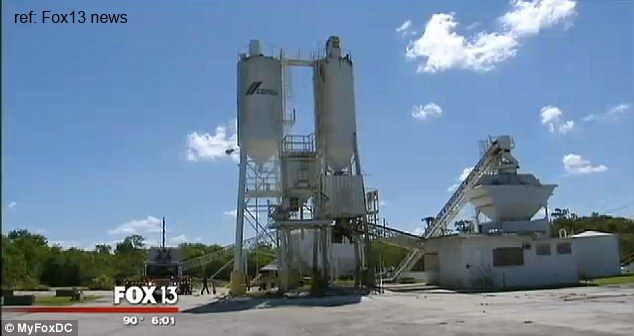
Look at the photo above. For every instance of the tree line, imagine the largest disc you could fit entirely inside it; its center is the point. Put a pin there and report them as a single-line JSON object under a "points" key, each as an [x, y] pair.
{"points": [[30, 261]]}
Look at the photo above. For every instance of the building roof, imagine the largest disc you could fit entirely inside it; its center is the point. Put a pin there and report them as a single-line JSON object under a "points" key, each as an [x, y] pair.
{"points": [[272, 267], [591, 234]]}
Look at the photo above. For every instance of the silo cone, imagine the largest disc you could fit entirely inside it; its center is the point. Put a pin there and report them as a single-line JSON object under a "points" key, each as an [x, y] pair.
{"points": [[237, 283]]}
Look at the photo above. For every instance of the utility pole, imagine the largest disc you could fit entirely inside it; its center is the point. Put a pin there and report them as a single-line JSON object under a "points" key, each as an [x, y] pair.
{"points": [[163, 241]]}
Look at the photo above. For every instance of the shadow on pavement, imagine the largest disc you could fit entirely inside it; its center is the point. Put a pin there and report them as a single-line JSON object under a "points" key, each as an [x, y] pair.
{"points": [[245, 303]]}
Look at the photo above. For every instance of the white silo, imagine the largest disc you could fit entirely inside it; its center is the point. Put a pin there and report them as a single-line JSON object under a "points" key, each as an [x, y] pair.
{"points": [[260, 107], [336, 119]]}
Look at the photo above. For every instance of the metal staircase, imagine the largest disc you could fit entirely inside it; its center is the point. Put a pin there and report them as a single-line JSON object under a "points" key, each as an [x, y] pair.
{"points": [[204, 259], [406, 264], [394, 236], [496, 157], [410, 241]]}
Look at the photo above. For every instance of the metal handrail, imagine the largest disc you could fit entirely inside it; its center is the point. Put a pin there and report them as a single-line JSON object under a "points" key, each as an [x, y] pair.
{"points": [[206, 258], [298, 143]]}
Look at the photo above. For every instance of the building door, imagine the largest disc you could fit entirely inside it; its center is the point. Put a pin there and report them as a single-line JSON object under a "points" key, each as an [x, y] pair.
{"points": [[477, 271]]}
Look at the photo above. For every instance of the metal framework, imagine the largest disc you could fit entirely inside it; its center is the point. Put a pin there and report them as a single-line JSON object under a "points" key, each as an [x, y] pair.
{"points": [[496, 157], [249, 245], [259, 190], [263, 194]]}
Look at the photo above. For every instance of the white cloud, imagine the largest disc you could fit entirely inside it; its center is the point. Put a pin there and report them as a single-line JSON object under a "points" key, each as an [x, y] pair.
{"points": [[65, 244], [87, 246], [529, 17], [178, 239], [465, 173], [12, 204], [211, 147], [111, 243], [574, 164], [442, 48], [152, 242], [139, 226], [382, 203], [551, 116], [566, 126], [430, 110], [405, 30], [474, 25], [613, 114], [231, 213], [419, 231]]}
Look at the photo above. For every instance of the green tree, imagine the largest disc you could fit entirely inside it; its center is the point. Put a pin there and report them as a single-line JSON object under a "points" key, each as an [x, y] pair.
{"points": [[103, 249], [130, 244], [130, 255], [25, 254]]}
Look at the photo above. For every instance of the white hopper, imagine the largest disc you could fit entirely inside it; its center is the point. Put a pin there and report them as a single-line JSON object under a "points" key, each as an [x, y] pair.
{"points": [[510, 196]]}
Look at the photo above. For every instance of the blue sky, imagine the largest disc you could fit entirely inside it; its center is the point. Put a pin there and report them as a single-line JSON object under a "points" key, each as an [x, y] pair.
{"points": [[99, 120]]}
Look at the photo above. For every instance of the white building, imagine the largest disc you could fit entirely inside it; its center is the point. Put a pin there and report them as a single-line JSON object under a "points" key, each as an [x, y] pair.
{"points": [[512, 248], [500, 261], [596, 254]]}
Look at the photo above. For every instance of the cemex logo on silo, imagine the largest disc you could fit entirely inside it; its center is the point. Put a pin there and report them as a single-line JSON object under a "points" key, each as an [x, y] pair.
{"points": [[254, 88]]}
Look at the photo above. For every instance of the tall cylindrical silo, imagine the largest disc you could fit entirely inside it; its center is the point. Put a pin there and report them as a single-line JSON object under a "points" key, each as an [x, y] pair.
{"points": [[260, 111], [336, 107]]}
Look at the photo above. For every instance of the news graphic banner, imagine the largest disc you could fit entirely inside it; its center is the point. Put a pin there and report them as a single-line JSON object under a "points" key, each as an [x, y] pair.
{"points": [[40, 327]]}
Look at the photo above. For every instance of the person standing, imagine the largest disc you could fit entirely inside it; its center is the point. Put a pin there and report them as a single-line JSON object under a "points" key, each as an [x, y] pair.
{"points": [[205, 287]]}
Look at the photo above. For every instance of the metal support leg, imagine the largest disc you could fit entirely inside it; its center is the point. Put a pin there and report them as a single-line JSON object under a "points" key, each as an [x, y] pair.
{"points": [[237, 279], [357, 262], [281, 262]]}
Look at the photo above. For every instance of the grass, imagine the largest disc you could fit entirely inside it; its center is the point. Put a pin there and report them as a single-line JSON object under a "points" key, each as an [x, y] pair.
{"points": [[60, 301], [615, 280]]}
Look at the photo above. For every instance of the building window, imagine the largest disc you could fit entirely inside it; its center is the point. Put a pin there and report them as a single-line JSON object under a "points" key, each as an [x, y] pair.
{"points": [[508, 256], [526, 246], [542, 249], [564, 248]]}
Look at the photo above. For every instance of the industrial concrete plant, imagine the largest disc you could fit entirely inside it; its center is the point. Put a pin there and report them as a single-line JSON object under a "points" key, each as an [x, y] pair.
{"points": [[305, 195], [302, 193], [512, 246]]}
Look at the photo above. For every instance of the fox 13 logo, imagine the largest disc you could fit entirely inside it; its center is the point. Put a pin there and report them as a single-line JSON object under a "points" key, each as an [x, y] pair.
{"points": [[144, 295]]}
